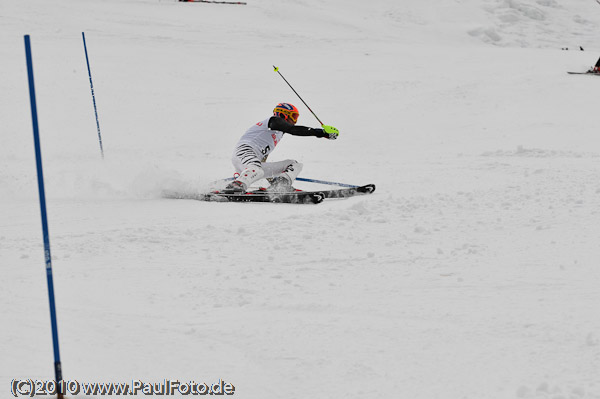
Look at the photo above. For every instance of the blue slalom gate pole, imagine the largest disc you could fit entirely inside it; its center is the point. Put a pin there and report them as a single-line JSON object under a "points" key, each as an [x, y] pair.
{"points": [[87, 60], [48, 257]]}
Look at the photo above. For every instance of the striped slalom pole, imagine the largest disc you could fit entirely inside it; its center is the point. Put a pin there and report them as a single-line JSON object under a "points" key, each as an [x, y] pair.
{"points": [[46, 235]]}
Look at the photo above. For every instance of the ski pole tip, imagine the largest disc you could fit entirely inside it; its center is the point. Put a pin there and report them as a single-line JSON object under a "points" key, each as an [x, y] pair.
{"points": [[275, 68]]}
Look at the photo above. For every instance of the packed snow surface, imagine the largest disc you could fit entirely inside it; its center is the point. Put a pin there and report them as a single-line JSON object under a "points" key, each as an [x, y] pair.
{"points": [[472, 271]]}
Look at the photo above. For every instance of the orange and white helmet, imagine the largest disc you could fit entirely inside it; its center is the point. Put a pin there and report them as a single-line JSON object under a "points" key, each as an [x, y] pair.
{"points": [[286, 111]]}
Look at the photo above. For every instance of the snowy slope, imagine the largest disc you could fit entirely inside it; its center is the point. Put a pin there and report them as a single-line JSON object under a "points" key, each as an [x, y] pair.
{"points": [[472, 272]]}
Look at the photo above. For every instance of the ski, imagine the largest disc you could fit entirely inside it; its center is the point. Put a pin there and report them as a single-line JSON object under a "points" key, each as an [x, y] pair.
{"points": [[263, 195], [584, 73], [214, 2], [296, 197], [349, 191]]}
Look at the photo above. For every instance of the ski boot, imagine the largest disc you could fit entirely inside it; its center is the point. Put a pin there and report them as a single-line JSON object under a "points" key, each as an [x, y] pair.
{"points": [[281, 184], [235, 187]]}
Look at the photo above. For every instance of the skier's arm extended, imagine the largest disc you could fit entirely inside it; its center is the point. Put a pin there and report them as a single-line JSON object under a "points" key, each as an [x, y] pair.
{"points": [[276, 123]]}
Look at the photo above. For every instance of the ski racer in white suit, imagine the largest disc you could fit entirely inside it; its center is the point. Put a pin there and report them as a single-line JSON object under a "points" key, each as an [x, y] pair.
{"points": [[253, 148]]}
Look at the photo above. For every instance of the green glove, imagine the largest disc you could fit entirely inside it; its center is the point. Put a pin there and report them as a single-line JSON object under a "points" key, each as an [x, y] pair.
{"points": [[331, 131]]}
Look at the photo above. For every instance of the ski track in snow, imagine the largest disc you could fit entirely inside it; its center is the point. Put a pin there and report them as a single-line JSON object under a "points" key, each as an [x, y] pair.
{"points": [[471, 272]]}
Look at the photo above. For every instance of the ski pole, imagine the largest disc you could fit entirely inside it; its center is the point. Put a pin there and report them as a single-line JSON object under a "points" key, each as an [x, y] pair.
{"points": [[288, 83], [331, 183], [87, 60]]}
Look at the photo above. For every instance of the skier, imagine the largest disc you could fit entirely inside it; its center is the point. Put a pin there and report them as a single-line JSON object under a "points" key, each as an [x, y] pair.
{"points": [[253, 148], [596, 68]]}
